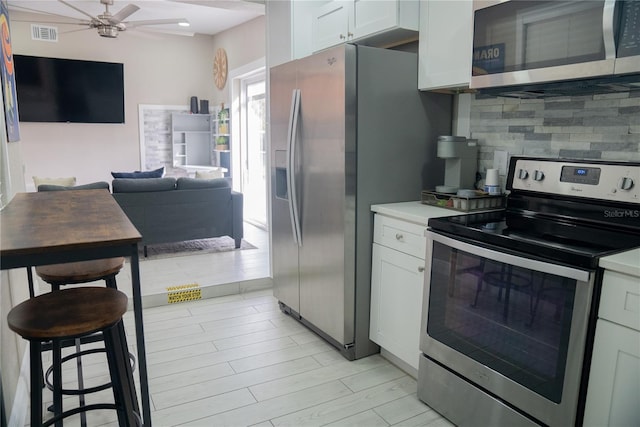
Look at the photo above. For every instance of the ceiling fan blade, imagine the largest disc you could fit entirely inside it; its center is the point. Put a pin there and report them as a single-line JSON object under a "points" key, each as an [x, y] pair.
{"points": [[82, 11], [246, 5], [40, 12], [52, 22], [157, 30], [124, 13], [142, 33], [75, 31], [133, 24]]}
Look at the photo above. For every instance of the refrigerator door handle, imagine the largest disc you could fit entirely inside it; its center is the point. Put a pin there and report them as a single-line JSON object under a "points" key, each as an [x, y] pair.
{"points": [[291, 163]]}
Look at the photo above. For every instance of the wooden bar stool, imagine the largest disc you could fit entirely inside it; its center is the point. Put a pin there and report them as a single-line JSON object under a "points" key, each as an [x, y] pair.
{"points": [[81, 272], [69, 314], [72, 273]]}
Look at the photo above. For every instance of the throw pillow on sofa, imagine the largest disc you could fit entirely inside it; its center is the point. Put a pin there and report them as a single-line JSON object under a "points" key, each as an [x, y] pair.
{"points": [[65, 181], [156, 173], [210, 174]]}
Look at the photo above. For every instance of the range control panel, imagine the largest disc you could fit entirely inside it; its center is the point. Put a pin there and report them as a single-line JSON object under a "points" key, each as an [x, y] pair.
{"points": [[603, 180]]}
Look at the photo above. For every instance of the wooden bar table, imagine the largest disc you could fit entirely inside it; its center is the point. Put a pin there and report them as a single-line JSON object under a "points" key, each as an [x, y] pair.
{"points": [[65, 226]]}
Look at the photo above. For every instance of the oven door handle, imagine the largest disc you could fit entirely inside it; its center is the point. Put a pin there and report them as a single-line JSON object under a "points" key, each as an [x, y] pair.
{"points": [[518, 261]]}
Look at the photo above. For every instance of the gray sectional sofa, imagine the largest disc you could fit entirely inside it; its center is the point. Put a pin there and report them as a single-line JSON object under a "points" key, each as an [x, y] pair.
{"points": [[172, 210]]}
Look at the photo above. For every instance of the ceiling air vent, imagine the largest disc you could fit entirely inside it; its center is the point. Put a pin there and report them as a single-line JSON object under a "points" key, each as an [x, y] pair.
{"points": [[44, 33]]}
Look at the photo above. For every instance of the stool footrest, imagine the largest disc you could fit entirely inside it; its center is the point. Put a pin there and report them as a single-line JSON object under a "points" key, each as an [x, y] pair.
{"points": [[74, 411], [76, 392]]}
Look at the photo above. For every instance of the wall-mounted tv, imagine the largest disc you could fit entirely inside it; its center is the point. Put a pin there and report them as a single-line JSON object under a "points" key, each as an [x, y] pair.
{"points": [[68, 90]]}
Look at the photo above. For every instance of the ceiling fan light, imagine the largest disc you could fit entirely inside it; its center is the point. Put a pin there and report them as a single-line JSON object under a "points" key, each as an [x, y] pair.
{"points": [[108, 31]]}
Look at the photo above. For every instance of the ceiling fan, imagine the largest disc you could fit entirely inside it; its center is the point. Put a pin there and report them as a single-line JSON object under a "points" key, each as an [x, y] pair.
{"points": [[110, 26]]}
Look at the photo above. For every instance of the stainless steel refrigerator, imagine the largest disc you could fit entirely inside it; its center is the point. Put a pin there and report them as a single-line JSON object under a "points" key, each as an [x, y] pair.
{"points": [[348, 129]]}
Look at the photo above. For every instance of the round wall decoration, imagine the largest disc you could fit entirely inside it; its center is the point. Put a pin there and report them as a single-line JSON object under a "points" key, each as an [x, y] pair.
{"points": [[220, 68]]}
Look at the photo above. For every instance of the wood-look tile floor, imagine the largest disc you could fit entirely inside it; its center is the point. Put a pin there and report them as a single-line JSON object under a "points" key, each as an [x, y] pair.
{"points": [[237, 360]]}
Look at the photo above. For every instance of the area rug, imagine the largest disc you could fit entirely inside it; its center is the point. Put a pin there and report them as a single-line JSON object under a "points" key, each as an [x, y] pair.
{"points": [[193, 247]]}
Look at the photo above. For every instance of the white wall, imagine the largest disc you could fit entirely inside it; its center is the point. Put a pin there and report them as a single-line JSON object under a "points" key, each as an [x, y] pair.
{"points": [[159, 69], [244, 44]]}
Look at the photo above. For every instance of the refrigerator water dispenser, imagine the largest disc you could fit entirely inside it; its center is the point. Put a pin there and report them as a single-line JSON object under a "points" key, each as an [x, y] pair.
{"points": [[282, 191]]}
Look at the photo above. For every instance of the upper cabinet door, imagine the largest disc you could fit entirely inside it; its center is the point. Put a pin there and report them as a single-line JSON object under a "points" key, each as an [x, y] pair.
{"points": [[369, 22], [445, 49], [371, 16], [331, 24]]}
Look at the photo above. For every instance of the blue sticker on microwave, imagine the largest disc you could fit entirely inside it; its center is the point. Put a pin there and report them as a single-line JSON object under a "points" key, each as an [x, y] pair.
{"points": [[488, 59]]}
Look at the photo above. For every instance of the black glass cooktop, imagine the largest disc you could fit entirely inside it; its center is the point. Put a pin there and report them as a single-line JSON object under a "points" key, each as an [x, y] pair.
{"points": [[563, 240]]}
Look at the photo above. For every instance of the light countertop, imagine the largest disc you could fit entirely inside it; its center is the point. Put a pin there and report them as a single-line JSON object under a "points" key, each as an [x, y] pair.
{"points": [[415, 212], [625, 262]]}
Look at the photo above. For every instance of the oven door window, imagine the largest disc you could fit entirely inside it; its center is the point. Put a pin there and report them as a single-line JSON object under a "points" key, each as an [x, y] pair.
{"points": [[511, 319]]}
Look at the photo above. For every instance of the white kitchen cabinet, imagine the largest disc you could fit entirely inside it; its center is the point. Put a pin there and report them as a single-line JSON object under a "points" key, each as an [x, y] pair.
{"points": [[446, 44], [301, 29], [330, 24], [289, 30], [369, 22], [614, 379], [397, 279]]}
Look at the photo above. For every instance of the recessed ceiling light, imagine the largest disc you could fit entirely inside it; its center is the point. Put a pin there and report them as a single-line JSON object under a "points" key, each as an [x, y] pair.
{"points": [[184, 24]]}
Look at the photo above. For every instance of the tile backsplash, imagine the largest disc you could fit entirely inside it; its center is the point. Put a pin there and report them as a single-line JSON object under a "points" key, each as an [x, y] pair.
{"points": [[582, 127]]}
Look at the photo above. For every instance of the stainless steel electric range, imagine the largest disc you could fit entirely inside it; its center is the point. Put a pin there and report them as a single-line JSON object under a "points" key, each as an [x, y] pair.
{"points": [[511, 299]]}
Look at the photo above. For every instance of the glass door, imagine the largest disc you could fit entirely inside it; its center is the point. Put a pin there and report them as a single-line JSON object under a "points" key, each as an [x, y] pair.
{"points": [[253, 149]]}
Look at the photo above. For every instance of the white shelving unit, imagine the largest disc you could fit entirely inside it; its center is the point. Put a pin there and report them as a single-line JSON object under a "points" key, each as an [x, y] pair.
{"points": [[222, 139], [192, 140]]}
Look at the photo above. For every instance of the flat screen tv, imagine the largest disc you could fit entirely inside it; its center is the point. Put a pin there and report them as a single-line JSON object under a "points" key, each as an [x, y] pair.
{"points": [[68, 90]]}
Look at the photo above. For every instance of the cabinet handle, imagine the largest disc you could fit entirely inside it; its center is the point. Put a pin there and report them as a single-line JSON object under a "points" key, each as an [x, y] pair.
{"points": [[342, 37], [421, 269], [399, 236], [349, 34]]}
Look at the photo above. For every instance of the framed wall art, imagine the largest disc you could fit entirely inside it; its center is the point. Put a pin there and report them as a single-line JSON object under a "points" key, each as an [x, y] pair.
{"points": [[8, 77]]}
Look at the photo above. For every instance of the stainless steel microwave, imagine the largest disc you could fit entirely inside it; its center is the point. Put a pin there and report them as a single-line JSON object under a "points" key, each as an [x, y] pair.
{"points": [[519, 43]]}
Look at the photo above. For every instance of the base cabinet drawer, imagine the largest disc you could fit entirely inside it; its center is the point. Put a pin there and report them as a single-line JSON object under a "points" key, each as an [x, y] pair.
{"points": [[400, 235], [620, 299]]}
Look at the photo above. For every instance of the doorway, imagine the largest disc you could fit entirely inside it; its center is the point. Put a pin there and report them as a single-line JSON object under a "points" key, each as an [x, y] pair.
{"points": [[252, 147]]}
